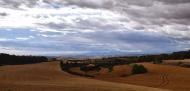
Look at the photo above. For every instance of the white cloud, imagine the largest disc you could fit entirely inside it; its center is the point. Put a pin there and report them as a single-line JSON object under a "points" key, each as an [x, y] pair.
{"points": [[23, 38], [4, 39]]}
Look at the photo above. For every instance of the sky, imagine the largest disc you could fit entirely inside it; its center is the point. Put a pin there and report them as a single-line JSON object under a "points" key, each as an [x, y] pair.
{"points": [[94, 27]]}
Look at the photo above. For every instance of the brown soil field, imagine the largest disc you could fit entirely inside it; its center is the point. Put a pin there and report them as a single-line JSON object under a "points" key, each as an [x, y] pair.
{"points": [[49, 77], [159, 76]]}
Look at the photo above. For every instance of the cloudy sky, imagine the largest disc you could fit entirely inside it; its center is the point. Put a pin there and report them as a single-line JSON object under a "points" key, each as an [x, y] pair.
{"points": [[94, 27]]}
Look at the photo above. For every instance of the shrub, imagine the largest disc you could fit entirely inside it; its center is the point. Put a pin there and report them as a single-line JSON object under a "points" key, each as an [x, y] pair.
{"points": [[179, 63], [139, 69], [90, 68], [157, 61], [108, 66]]}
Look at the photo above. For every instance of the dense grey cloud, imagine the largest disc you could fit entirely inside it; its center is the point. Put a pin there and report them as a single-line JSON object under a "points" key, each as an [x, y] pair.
{"points": [[16, 3], [174, 1], [92, 3], [149, 12]]}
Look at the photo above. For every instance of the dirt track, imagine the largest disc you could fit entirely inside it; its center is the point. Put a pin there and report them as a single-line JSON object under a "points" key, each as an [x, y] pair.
{"points": [[164, 80], [49, 77]]}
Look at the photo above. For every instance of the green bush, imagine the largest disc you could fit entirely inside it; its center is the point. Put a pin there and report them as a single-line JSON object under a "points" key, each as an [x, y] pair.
{"points": [[139, 69], [157, 61]]}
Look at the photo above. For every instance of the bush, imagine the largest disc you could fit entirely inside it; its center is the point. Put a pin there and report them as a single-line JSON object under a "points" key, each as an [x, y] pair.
{"points": [[139, 69], [157, 61], [108, 66], [179, 63], [90, 68]]}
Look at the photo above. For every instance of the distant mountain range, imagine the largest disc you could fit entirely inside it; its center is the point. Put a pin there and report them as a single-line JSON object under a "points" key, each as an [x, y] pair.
{"points": [[173, 55]]}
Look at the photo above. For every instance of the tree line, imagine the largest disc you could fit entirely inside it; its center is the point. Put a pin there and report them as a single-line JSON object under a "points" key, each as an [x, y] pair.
{"points": [[6, 59], [181, 55]]}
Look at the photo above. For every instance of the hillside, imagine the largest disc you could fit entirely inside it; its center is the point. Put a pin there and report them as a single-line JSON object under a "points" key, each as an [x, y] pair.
{"points": [[49, 77], [159, 76]]}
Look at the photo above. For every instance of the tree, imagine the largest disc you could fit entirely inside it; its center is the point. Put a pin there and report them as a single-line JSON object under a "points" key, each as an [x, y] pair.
{"points": [[6, 59], [61, 65], [157, 61]]}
